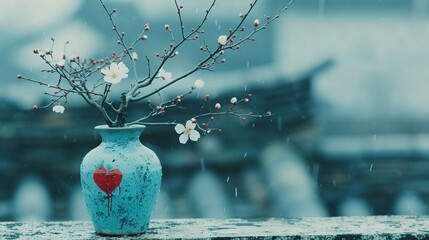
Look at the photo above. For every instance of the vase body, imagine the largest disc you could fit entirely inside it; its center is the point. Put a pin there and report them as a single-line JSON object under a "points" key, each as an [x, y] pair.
{"points": [[120, 181]]}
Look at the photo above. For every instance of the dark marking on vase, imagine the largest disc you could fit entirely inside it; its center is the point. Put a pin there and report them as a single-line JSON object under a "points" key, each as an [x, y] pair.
{"points": [[107, 181]]}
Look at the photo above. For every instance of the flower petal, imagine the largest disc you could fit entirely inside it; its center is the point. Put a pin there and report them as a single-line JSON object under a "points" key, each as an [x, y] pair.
{"points": [[194, 135], [183, 138], [106, 71], [161, 72], [190, 124], [179, 128]]}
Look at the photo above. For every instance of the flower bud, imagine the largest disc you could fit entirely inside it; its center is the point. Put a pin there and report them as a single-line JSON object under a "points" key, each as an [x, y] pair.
{"points": [[193, 120], [217, 106], [222, 40], [146, 27], [144, 37], [35, 51], [35, 107], [19, 76], [233, 100], [167, 27], [256, 23]]}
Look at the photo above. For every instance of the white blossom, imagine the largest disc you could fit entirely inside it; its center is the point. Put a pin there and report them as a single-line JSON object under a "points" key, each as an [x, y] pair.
{"points": [[58, 109], [115, 73], [164, 75], [198, 84], [56, 58], [187, 132], [233, 100], [217, 106], [134, 56], [222, 40]]}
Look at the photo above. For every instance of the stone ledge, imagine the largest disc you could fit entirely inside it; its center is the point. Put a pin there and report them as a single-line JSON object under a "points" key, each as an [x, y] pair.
{"points": [[374, 227]]}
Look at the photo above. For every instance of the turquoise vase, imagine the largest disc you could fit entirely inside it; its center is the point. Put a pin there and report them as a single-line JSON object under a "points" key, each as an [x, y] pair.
{"points": [[120, 180]]}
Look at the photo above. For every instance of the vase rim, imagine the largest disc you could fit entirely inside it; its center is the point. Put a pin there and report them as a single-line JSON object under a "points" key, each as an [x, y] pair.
{"points": [[106, 127]]}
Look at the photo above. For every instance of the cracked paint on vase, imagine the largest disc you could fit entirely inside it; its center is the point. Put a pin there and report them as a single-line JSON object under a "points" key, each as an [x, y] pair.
{"points": [[120, 181]]}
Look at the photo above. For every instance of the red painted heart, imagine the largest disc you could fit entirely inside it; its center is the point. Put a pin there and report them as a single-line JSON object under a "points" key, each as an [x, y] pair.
{"points": [[107, 181]]}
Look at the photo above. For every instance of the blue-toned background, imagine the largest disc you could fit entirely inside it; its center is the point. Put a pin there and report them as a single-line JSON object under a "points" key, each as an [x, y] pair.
{"points": [[347, 81]]}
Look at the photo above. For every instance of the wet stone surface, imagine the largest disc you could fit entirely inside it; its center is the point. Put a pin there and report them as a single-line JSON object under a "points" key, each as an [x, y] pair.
{"points": [[376, 227]]}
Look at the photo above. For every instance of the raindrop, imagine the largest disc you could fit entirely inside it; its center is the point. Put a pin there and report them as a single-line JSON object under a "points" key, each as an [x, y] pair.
{"points": [[236, 192], [248, 64], [253, 125], [321, 8], [227, 179], [316, 173], [196, 10], [216, 22], [279, 124], [245, 87], [31, 68], [334, 183], [370, 168], [245, 155], [203, 165], [375, 137]]}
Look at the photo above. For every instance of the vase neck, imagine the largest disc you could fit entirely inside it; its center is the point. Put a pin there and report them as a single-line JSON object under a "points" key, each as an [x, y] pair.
{"points": [[120, 134]]}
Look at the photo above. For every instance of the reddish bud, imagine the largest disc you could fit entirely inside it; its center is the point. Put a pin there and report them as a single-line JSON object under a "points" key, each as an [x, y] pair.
{"points": [[204, 125], [212, 118], [167, 27], [246, 100], [221, 52], [123, 34], [19, 76], [158, 108], [249, 95], [223, 60], [193, 120], [146, 26], [114, 10], [207, 97], [35, 51], [219, 130], [144, 37], [118, 42], [209, 131], [256, 23], [35, 107], [243, 118]]}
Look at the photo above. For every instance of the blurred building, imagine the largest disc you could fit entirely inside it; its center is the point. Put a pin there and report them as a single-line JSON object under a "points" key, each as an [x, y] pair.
{"points": [[345, 79]]}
